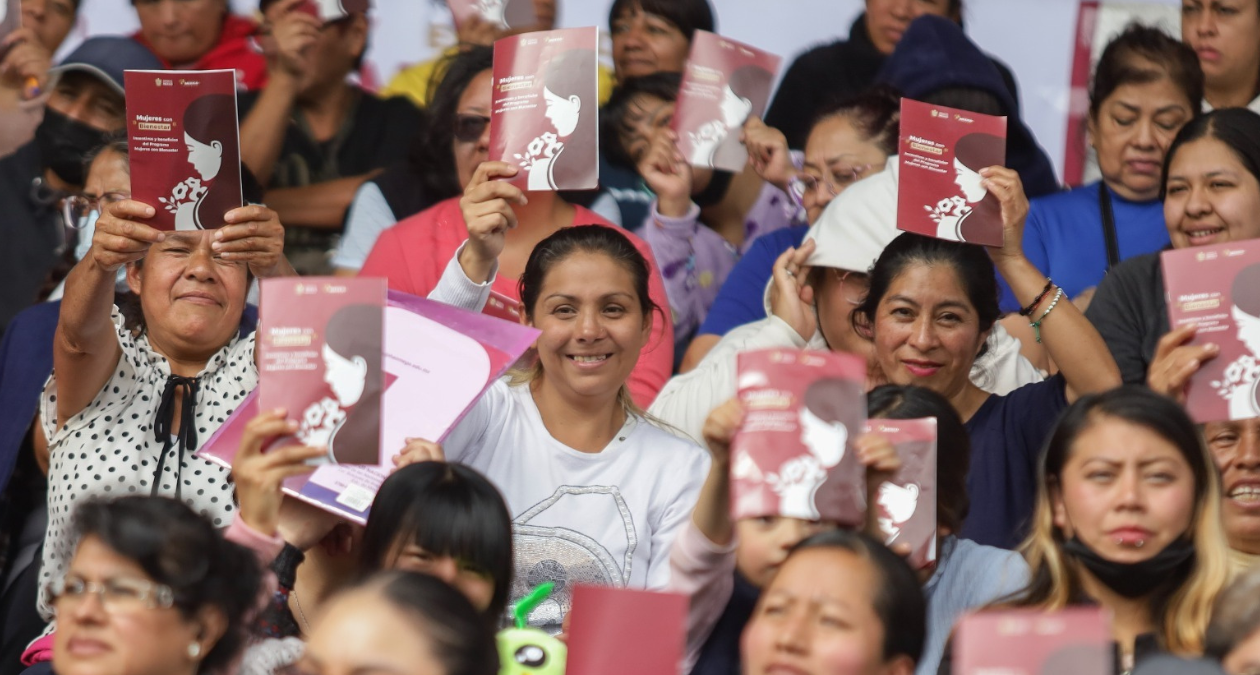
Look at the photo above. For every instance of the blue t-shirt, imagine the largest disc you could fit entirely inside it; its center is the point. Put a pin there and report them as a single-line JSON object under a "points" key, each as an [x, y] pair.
{"points": [[1007, 434], [742, 297], [1064, 237]]}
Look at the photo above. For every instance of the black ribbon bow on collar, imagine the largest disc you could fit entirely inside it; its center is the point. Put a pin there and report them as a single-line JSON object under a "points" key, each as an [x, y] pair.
{"points": [[187, 426]]}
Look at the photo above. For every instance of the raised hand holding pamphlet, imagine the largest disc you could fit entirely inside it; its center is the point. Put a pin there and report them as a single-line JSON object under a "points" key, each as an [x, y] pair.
{"points": [[438, 360], [1218, 288], [504, 14], [907, 503], [1034, 642], [545, 108], [184, 145], [794, 455], [939, 191], [724, 84], [623, 631]]}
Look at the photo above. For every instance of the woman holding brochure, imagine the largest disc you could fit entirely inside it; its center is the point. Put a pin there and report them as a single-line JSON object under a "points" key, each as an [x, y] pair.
{"points": [[596, 490]]}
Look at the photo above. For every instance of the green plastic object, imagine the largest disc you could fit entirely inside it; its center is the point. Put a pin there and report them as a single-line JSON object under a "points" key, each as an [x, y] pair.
{"points": [[529, 651]]}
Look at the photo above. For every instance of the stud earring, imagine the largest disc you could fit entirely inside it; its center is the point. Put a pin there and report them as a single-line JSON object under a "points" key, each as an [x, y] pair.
{"points": [[194, 650]]}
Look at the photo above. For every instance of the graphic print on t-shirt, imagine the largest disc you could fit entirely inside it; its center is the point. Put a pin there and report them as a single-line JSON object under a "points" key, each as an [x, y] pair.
{"points": [[550, 547]]}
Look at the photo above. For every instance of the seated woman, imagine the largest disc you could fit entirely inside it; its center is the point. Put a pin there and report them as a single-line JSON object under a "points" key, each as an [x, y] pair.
{"points": [[413, 254], [403, 623], [1146, 87], [133, 391], [1233, 635], [1211, 192], [837, 579], [152, 589], [436, 518], [966, 575], [596, 489], [201, 35], [438, 166], [1225, 37], [1128, 518], [848, 142]]}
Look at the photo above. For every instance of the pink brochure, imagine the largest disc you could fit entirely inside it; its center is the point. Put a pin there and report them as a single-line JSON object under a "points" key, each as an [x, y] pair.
{"points": [[794, 455], [907, 503], [622, 631], [1076, 640], [438, 361]]}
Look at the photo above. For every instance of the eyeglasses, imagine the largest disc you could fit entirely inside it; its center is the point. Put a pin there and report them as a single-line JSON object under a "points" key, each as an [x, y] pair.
{"points": [[840, 179], [120, 595], [469, 128], [854, 286], [76, 208]]}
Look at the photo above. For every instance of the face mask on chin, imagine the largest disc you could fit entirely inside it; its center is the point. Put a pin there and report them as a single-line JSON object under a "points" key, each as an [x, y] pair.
{"points": [[64, 143], [1135, 580]]}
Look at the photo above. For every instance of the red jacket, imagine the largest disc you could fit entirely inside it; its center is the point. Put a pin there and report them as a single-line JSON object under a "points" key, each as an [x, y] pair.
{"points": [[413, 254], [234, 51]]}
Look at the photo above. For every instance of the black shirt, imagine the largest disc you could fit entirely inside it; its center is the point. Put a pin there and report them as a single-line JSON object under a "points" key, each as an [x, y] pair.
{"points": [[1131, 315], [33, 232]]}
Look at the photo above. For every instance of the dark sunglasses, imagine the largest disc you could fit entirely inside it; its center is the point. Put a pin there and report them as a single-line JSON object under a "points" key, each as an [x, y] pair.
{"points": [[469, 128]]}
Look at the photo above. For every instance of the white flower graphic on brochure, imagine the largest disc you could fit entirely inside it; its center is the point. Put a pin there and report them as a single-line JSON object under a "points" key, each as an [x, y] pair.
{"points": [[705, 141], [493, 11], [898, 503]]}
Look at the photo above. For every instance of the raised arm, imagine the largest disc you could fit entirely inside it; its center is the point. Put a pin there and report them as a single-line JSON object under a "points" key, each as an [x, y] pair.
{"points": [[1069, 338], [85, 349]]}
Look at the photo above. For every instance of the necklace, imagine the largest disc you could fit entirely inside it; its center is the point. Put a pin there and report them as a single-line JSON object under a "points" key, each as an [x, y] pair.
{"points": [[301, 612]]}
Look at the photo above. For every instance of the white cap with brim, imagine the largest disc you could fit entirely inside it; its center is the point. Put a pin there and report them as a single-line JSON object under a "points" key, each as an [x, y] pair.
{"points": [[106, 58], [856, 226]]}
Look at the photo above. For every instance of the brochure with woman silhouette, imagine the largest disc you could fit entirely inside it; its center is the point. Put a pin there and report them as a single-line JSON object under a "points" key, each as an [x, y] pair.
{"points": [[1076, 640], [506, 14], [438, 360], [1218, 288], [907, 503], [725, 83], [794, 454], [545, 115], [184, 145], [320, 352], [940, 191]]}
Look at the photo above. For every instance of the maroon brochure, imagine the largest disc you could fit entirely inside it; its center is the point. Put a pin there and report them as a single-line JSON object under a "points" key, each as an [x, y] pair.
{"points": [[622, 631], [506, 14], [907, 503], [545, 115], [725, 83], [1034, 642], [185, 146], [939, 191], [1218, 288], [794, 455], [320, 353]]}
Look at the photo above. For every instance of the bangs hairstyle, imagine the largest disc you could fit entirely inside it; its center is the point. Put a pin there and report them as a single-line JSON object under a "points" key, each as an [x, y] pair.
{"points": [[688, 16], [592, 239], [1237, 128], [446, 509], [612, 117], [1180, 613], [898, 601], [1141, 55], [180, 549]]}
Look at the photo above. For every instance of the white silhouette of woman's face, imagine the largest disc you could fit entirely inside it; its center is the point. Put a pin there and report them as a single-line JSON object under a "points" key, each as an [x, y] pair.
{"points": [[563, 112], [899, 502], [825, 440], [345, 376], [735, 108], [206, 159], [969, 181], [1248, 330]]}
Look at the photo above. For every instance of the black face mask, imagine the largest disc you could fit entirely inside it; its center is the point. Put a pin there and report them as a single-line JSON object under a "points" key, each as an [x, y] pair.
{"points": [[1134, 580], [64, 143]]}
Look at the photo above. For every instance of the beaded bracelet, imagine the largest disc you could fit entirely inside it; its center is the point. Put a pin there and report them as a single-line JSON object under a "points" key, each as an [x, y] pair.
{"points": [[1036, 325], [1027, 311]]}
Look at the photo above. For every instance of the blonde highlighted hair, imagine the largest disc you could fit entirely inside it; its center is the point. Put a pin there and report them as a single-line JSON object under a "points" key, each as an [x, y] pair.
{"points": [[1181, 613]]}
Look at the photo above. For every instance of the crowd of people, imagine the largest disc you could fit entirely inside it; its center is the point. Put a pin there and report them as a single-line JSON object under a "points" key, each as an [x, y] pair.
{"points": [[1068, 471]]}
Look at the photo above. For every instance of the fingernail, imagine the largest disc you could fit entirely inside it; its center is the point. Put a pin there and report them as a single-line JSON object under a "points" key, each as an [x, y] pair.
{"points": [[218, 235], [161, 236], [1212, 346], [216, 246]]}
